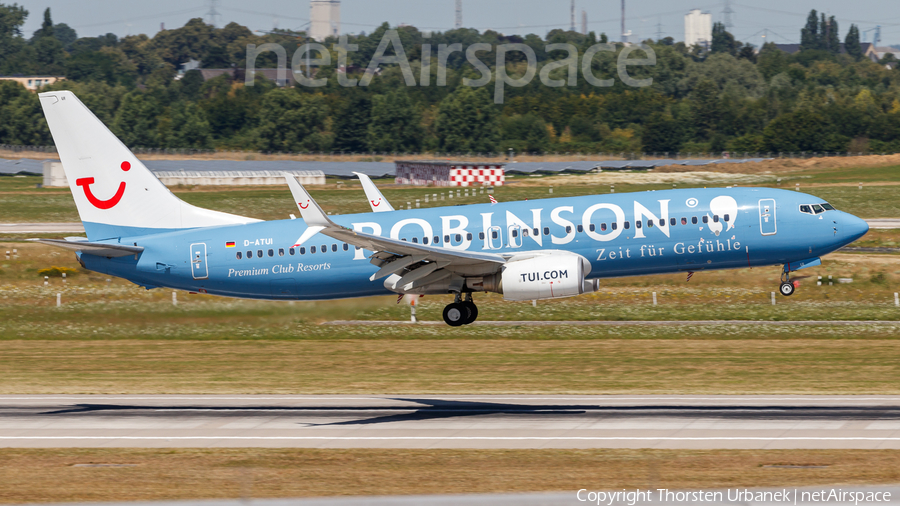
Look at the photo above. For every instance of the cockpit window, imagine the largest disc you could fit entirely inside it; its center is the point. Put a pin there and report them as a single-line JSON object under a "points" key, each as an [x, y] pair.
{"points": [[818, 209], [827, 206], [805, 209]]}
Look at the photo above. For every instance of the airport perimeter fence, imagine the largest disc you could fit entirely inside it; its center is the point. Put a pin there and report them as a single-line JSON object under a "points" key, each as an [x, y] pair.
{"points": [[508, 156]]}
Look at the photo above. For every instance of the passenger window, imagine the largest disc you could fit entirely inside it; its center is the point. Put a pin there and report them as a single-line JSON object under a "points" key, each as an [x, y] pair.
{"points": [[546, 230], [684, 221], [424, 240], [415, 240], [525, 233], [627, 225], [662, 222], [259, 253], [603, 227], [725, 218], [672, 221], [694, 220], [281, 252], [302, 251], [580, 228], [446, 238], [568, 230], [271, 253], [515, 232], [346, 247], [334, 247], [705, 219], [468, 236], [638, 224], [536, 232], [481, 236], [493, 234], [614, 225], [249, 254], [312, 249], [716, 218], [291, 251], [238, 255], [649, 223], [324, 248], [436, 240], [458, 238], [592, 228]]}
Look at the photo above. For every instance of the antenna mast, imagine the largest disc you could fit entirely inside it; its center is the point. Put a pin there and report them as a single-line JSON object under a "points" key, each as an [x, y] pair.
{"points": [[212, 14], [727, 12], [458, 13], [572, 16]]}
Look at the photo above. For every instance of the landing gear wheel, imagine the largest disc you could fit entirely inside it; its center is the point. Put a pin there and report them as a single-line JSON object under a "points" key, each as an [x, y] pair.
{"points": [[787, 288], [472, 311], [456, 314]]}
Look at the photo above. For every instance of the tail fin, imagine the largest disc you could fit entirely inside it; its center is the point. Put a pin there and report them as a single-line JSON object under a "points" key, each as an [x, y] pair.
{"points": [[115, 194]]}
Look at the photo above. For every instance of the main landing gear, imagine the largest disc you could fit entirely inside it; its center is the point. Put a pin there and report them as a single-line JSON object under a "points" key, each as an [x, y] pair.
{"points": [[461, 312], [787, 286]]}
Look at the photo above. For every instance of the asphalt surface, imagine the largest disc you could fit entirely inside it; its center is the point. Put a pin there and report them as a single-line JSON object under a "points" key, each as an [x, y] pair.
{"points": [[417, 421]]}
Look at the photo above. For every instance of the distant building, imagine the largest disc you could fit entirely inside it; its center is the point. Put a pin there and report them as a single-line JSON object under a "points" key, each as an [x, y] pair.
{"points": [[33, 83], [697, 29], [325, 19], [877, 53], [449, 173]]}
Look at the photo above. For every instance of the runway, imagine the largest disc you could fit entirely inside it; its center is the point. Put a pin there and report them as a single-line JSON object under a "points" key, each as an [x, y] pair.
{"points": [[417, 421]]}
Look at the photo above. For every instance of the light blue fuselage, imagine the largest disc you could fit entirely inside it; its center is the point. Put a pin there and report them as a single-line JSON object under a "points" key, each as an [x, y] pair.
{"points": [[763, 227]]}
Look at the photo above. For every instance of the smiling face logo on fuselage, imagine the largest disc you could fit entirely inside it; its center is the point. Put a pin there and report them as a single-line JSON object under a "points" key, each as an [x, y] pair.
{"points": [[86, 183]]}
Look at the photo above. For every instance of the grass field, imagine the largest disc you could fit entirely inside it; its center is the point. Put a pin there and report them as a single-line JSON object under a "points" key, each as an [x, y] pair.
{"points": [[54, 475]]}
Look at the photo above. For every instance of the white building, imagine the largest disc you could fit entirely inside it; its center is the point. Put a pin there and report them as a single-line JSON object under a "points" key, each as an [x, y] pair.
{"points": [[325, 17], [697, 28]]}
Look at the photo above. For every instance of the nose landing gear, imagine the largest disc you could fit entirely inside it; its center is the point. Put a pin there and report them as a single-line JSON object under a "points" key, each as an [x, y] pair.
{"points": [[461, 312], [787, 286]]}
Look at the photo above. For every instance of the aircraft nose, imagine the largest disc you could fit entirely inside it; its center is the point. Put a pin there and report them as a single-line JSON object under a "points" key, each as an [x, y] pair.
{"points": [[854, 227]]}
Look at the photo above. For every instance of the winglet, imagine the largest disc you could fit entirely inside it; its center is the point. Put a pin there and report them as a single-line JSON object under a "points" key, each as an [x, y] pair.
{"points": [[315, 218], [376, 200], [310, 211]]}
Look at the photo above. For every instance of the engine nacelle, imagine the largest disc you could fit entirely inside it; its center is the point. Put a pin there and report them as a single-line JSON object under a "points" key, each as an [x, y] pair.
{"points": [[546, 277]]}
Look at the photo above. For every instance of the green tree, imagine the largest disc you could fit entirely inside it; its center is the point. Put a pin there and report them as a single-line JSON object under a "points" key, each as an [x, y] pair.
{"points": [[832, 37], [184, 125], [722, 41], [467, 122], [11, 43], [809, 35], [394, 124], [661, 134], [526, 133], [293, 122], [851, 43], [135, 121], [351, 123]]}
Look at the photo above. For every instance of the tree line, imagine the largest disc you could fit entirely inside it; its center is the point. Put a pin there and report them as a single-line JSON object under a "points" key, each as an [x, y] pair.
{"points": [[728, 97]]}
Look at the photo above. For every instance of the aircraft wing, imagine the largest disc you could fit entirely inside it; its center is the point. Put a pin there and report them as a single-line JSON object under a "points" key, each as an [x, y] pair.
{"points": [[377, 202], [94, 248], [416, 265]]}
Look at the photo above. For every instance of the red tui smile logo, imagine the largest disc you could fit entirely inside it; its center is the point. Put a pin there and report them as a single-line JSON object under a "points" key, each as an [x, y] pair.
{"points": [[374, 204], [86, 183], [303, 206]]}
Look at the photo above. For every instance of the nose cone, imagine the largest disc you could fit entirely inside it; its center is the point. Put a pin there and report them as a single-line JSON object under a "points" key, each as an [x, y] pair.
{"points": [[854, 227]]}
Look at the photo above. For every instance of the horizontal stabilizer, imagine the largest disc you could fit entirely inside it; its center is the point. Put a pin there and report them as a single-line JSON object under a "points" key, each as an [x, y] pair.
{"points": [[94, 248]]}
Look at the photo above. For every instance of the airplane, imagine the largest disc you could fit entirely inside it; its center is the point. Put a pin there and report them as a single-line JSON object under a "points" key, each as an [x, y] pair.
{"points": [[529, 250]]}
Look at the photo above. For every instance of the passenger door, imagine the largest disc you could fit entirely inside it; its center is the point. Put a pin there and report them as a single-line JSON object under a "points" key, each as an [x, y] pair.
{"points": [[767, 224], [199, 269]]}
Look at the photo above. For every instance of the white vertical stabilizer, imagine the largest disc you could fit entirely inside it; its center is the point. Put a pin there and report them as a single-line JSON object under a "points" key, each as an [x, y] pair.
{"points": [[114, 192]]}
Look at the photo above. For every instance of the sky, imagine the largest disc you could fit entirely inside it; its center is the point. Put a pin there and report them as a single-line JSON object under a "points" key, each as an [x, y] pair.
{"points": [[755, 21]]}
